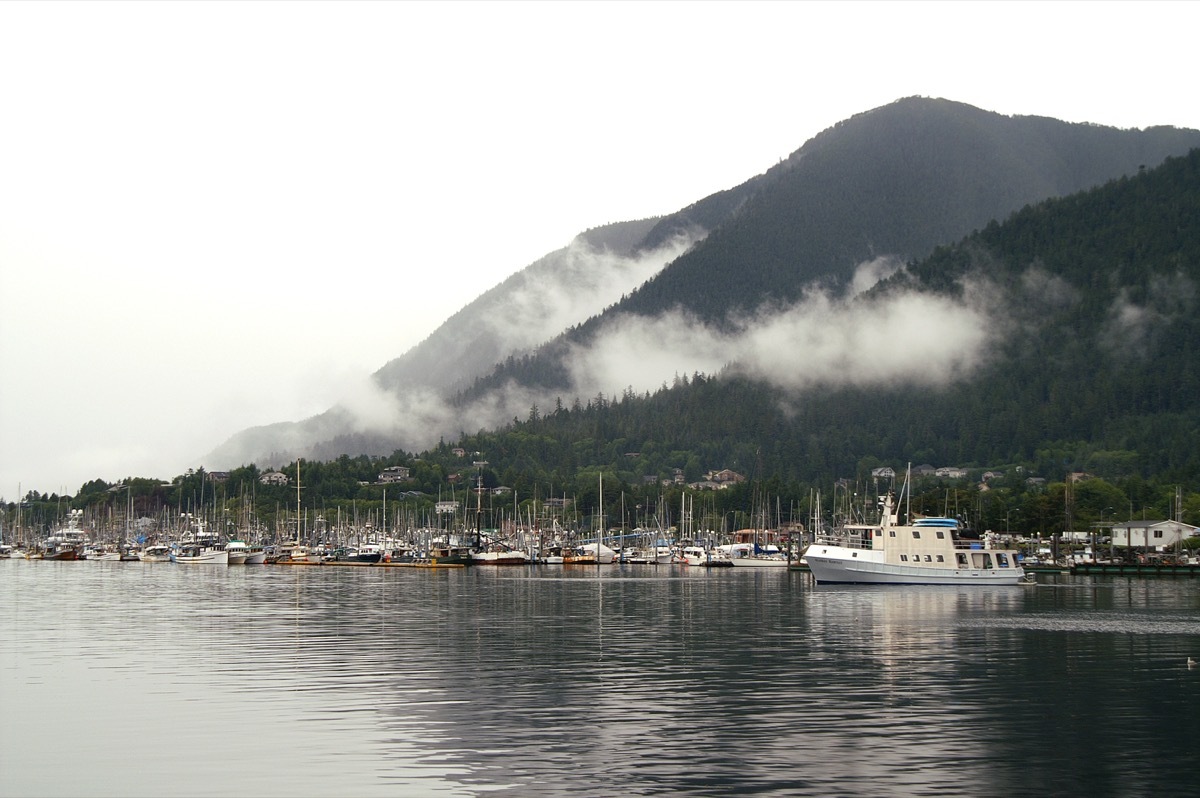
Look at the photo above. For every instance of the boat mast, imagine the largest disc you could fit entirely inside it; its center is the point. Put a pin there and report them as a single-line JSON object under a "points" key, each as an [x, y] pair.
{"points": [[298, 531]]}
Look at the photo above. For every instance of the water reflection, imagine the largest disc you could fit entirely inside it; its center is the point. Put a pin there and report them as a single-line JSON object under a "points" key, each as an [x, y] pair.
{"points": [[633, 679]]}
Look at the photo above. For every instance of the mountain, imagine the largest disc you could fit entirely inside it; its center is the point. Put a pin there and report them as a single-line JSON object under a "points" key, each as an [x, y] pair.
{"points": [[1063, 339], [881, 188], [634, 304]]}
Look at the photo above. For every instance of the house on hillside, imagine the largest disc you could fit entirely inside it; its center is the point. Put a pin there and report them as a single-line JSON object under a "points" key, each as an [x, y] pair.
{"points": [[273, 478], [394, 474], [887, 472], [950, 472], [724, 477]]}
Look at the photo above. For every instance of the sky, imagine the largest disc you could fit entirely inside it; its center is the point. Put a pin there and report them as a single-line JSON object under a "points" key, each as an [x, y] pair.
{"points": [[219, 215]]}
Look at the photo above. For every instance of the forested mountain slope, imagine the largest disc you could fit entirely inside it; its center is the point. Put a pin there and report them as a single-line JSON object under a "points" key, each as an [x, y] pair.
{"points": [[1068, 339], [880, 188]]}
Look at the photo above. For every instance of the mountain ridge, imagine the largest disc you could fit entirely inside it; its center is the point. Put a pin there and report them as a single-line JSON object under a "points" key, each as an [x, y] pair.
{"points": [[769, 239]]}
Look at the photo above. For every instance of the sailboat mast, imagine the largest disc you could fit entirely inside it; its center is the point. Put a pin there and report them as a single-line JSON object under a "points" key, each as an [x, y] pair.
{"points": [[298, 530]]}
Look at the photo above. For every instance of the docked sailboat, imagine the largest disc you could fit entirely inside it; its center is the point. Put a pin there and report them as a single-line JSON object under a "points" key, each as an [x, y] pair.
{"points": [[926, 551], [499, 555], [752, 555]]}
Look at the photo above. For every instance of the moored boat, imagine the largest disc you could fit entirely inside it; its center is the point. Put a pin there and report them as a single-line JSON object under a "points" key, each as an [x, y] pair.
{"points": [[702, 557], [156, 552], [926, 551], [751, 555], [57, 549], [200, 554], [240, 553], [499, 556]]}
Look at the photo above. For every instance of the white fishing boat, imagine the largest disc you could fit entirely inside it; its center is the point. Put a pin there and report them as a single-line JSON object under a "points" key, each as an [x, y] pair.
{"points": [[926, 551], [200, 554], [197, 545], [237, 552]]}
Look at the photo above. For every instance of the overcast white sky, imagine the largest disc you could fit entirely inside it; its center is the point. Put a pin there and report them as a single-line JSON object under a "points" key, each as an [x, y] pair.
{"points": [[213, 215]]}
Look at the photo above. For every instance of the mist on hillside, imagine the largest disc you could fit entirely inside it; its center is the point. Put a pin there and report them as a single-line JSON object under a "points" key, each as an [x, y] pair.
{"points": [[822, 341]]}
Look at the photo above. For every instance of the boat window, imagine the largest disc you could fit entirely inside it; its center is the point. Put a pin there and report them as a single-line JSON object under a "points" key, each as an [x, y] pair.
{"points": [[916, 533], [1002, 559], [854, 554], [903, 558], [928, 558], [941, 535], [891, 533], [987, 561], [962, 560], [940, 558]]}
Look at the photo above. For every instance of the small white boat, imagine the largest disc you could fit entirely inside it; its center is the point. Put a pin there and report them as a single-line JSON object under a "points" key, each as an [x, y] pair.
{"points": [[702, 557], [295, 553], [97, 552], [157, 552], [498, 556], [750, 555]]}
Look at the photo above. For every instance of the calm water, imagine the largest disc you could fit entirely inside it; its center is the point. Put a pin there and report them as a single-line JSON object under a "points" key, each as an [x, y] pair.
{"points": [[128, 679]]}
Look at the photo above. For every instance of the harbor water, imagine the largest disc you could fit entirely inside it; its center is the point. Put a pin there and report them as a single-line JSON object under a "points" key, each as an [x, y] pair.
{"points": [[155, 679]]}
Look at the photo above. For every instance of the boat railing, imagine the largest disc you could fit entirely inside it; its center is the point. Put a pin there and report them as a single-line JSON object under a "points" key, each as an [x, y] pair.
{"points": [[843, 540]]}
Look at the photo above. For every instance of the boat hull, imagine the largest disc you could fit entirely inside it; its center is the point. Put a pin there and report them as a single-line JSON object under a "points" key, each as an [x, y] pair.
{"points": [[758, 562], [203, 558], [499, 558], [834, 565]]}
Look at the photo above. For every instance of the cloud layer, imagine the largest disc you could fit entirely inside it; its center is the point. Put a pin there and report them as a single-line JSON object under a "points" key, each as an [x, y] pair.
{"points": [[821, 341]]}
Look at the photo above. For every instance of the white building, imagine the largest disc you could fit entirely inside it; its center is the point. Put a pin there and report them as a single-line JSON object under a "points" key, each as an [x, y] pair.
{"points": [[1152, 534]]}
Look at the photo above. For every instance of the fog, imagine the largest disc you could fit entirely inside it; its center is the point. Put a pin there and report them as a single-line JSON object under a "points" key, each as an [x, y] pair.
{"points": [[821, 341]]}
